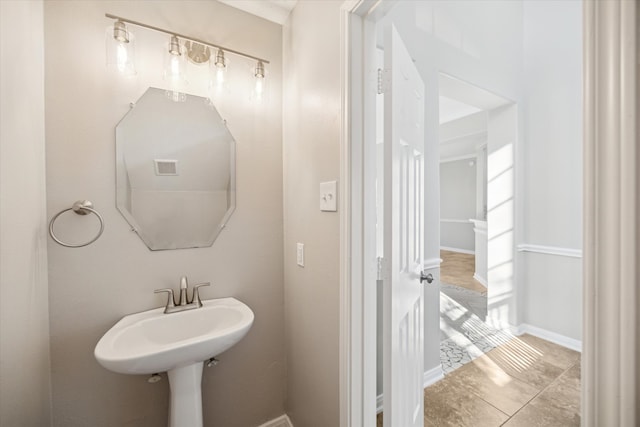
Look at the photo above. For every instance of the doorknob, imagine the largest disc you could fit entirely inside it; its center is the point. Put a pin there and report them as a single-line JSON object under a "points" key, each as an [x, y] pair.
{"points": [[427, 277]]}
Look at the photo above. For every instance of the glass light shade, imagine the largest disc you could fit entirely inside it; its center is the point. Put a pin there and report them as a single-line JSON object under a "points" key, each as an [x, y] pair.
{"points": [[120, 50], [175, 66], [259, 82], [175, 70], [218, 67]]}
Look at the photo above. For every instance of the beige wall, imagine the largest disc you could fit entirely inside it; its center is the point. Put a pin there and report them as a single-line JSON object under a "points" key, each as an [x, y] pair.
{"points": [[311, 156], [24, 310], [92, 287]]}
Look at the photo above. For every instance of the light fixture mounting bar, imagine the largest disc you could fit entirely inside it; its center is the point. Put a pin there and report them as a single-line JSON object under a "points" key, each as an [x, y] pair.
{"points": [[183, 36]]}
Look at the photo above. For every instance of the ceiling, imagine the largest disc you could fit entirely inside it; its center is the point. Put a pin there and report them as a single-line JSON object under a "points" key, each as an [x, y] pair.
{"points": [[460, 99], [273, 10]]}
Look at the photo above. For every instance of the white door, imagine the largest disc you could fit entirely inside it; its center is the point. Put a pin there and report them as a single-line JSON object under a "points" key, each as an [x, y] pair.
{"points": [[403, 236]]}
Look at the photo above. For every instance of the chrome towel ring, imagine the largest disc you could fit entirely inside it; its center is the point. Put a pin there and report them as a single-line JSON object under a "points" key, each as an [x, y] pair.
{"points": [[81, 207]]}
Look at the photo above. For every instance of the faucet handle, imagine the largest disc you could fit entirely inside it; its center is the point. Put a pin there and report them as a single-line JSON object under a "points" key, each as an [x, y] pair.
{"points": [[196, 293], [171, 302]]}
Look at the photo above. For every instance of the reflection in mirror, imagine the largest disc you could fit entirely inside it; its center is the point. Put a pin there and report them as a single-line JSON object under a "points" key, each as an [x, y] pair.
{"points": [[175, 174]]}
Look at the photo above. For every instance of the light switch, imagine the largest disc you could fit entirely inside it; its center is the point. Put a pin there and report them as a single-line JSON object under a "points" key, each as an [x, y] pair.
{"points": [[300, 254], [329, 196]]}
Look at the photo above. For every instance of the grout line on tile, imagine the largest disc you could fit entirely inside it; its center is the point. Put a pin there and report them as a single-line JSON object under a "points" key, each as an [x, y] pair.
{"points": [[538, 394]]}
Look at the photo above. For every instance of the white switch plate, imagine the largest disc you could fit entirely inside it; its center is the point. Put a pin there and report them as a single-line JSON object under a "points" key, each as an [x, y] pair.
{"points": [[300, 254], [329, 196]]}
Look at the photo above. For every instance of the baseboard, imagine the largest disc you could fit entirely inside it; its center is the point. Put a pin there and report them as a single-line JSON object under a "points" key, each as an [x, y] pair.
{"points": [[431, 263], [430, 377], [570, 343], [480, 280], [281, 421], [462, 251]]}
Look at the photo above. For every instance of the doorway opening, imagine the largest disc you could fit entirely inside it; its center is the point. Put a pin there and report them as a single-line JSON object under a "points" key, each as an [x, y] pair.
{"points": [[461, 39], [470, 135]]}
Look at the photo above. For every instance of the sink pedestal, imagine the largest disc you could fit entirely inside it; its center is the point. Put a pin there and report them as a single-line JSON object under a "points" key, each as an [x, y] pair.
{"points": [[185, 409]]}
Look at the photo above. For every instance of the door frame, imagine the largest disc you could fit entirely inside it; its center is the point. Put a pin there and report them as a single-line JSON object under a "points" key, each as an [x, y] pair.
{"points": [[610, 371], [611, 323], [357, 302]]}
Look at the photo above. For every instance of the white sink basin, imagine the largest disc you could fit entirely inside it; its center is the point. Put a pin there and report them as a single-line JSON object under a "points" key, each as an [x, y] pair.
{"points": [[152, 341]]}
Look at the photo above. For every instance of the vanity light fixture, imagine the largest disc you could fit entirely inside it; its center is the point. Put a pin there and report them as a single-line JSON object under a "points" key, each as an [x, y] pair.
{"points": [[174, 46], [218, 70], [196, 50], [220, 62], [175, 70], [260, 76], [259, 70], [120, 32], [120, 49]]}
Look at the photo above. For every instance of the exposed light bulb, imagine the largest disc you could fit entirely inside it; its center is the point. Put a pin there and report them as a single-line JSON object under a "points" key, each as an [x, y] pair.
{"points": [[260, 75], [121, 57], [120, 49], [220, 76], [259, 86], [175, 70], [175, 67]]}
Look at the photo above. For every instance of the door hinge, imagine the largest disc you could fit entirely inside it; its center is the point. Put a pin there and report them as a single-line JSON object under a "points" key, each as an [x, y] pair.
{"points": [[384, 81], [380, 272]]}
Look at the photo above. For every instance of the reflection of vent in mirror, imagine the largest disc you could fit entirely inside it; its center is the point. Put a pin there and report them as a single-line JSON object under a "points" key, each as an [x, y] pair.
{"points": [[166, 167]]}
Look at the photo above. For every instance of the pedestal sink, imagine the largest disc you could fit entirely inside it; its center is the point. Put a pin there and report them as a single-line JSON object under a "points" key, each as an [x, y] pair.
{"points": [[178, 343]]}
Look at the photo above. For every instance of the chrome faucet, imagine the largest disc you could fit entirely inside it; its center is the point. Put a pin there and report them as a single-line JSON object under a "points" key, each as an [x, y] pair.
{"points": [[185, 303]]}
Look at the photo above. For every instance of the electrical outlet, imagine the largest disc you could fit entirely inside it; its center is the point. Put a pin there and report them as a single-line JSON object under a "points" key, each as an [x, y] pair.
{"points": [[300, 254]]}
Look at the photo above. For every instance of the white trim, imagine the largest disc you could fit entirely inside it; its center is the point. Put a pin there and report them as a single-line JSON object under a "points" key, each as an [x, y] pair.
{"points": [[480, 226], [480, 223], [281, 421], [458, 158], [480, 280], [564, 341], [550, 250], [610, 367], [431, 263], [274, 11], [348, 380], [462, 251], [457, 221], [430, 377], [476, 134], [357, 386]]}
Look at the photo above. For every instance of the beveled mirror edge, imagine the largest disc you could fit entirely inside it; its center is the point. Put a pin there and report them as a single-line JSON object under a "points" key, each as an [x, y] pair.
{"points": [[121, 183]]}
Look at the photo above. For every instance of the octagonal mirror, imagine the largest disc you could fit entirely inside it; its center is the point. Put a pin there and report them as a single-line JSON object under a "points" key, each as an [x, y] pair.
{"points": [[175, 177]]}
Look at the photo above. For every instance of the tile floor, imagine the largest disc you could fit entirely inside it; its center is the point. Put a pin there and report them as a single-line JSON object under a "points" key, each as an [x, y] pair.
{"points": [[526, 382]]}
